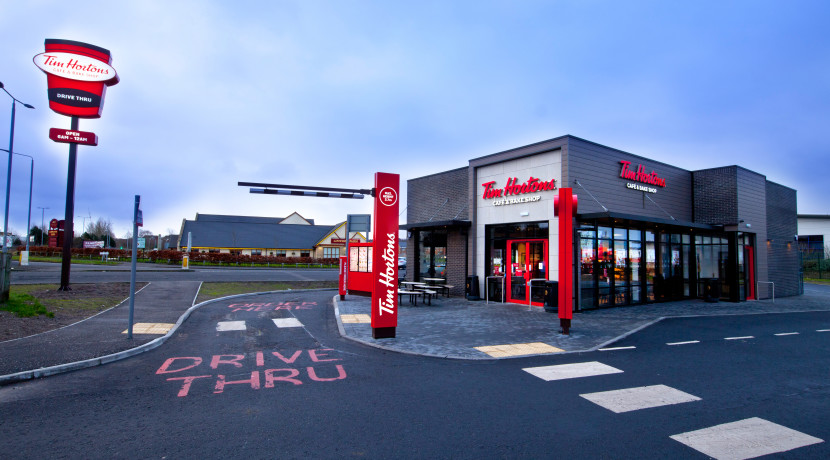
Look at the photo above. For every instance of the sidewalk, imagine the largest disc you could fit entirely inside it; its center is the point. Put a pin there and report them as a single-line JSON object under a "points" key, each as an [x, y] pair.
{"points": [[452, 327], [99, 336]]}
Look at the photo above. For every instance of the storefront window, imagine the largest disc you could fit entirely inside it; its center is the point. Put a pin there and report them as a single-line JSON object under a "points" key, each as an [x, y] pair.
{"points": [[711, 254], [651, 266], [634, 256], [588, 258], [432, 255], [605, 271]]}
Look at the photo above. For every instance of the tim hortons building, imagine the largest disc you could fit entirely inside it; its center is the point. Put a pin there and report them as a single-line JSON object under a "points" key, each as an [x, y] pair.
{"points": [[643, 231]]}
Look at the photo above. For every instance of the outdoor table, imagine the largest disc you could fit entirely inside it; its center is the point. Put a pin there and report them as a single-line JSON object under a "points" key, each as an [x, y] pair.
{"points": [[413, 283], [433, 281], [445, 288], [413, 296], [427, 293]]}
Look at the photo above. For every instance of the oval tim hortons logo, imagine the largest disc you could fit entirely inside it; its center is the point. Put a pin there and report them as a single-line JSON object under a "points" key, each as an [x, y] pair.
{"points": [[74, 66], [388, 196]]}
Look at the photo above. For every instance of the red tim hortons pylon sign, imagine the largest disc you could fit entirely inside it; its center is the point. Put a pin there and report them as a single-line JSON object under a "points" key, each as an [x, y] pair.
{"points": [[77, 76], [385, 256]]}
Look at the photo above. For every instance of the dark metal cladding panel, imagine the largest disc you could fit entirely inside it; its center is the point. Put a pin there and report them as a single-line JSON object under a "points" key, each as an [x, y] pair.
{"points": [[598, 169], [782, 250], [752, 210]]}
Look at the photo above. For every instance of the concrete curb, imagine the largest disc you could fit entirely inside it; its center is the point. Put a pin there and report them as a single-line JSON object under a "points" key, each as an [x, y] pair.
{"points": [[155, 343]]}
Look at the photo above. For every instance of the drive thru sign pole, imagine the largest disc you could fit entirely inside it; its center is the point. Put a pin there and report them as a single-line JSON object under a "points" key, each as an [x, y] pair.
{"points": [[385, 256]]}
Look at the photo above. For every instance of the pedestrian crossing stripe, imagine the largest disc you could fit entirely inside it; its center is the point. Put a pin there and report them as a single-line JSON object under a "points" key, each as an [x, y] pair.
{"points": [[571, 371], [287, 322], [151, 328], [223, 326], [518, 349], [631, 399], [749, 438]]}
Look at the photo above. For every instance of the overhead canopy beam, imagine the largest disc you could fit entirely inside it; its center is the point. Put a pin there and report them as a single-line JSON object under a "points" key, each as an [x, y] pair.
{"points": [[271, 191], [303, 190]]}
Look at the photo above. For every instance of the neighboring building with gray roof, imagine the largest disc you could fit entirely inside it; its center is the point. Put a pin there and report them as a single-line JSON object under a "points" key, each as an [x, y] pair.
{"points": [[292, 236]]}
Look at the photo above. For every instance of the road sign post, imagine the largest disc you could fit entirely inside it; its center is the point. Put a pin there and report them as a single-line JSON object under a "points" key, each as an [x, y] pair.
{"points": [[137, 221]]}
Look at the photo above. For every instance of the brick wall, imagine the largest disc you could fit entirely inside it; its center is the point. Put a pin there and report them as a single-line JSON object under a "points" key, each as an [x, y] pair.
{"points": [[716, 195], [438, 197], [434, 198], [456, 264]]}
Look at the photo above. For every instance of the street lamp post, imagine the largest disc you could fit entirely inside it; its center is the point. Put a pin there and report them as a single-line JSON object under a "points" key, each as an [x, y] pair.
{"points": [[6, 269], [83, 227], [31, 178], [42, 212]]}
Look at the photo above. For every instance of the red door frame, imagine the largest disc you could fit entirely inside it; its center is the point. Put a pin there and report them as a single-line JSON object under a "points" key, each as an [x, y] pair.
{"points": [[508, 273], [749, 260]]}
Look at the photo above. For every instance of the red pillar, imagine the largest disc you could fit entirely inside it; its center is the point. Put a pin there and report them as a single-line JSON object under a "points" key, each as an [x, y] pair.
{"points": [[565, 208], [344, 265]]}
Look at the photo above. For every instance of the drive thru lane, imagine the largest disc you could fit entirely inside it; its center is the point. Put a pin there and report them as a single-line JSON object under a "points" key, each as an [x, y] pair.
{"points": [[232, 382]]}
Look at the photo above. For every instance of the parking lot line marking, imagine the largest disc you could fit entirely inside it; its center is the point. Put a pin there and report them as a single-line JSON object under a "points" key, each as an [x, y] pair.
{"points": [[356, 319], [617, 348], [631, 399], [571, 371], [749, 438], [518, 349], [822, 330], [223, 326], [739, 338], [683, 343], [787, 333], [287, 322], [151, 328]]}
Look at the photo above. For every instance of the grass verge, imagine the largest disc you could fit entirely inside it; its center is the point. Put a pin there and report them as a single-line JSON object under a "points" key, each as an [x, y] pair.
{"points": [[61, 307], [215, 290], [25, 305], [817, 281]]}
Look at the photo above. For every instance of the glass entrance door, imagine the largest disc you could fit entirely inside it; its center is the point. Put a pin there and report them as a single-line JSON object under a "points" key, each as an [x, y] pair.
{"points": [[528, 261]]}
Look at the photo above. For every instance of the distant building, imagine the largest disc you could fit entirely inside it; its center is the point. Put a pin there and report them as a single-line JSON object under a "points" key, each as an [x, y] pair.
{"points": [[814, 235], [292, 236]]}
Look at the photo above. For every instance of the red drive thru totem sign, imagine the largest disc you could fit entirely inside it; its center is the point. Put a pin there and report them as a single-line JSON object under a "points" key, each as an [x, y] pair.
{"points": [[385, 256]]}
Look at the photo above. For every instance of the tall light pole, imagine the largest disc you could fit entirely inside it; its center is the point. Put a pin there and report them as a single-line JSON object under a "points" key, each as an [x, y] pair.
{"points": [[31, 178], [9, 172], [7, 265], [42, 212], [83, 229]]}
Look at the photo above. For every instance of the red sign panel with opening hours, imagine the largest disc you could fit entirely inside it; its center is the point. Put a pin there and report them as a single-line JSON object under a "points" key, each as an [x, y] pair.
{"points": [[73, 137]]}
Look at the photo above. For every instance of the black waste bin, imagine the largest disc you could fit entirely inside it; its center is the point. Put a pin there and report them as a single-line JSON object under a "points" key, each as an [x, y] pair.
{"points": [[471, 289], [712, 290], [552, 296]]}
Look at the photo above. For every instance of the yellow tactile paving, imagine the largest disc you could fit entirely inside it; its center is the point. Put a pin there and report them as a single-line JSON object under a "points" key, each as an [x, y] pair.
{"points": [[518, 349], [362, 319], [151, 328]]}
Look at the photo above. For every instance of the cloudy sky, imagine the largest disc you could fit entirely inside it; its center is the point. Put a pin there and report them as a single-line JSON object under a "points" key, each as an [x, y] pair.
{"points": [[328, 92]]}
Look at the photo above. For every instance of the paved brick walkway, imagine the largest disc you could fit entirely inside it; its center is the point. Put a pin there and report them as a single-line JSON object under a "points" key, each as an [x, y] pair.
{"points": [[453, 327]]}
